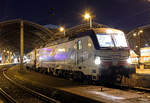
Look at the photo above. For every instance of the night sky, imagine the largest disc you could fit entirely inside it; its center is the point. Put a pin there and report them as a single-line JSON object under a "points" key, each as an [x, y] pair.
{"points": [[122, 14]]}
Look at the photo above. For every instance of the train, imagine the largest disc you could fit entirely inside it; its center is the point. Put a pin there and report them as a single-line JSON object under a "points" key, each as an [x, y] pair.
{"points": [[96, 54]]}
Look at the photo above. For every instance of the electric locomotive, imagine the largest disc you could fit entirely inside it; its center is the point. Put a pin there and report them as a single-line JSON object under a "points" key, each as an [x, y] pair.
{"points": [[99, 54]]}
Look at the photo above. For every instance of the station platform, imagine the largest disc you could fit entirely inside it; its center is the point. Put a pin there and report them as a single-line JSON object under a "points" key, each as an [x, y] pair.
{"points": [[98, 93]]}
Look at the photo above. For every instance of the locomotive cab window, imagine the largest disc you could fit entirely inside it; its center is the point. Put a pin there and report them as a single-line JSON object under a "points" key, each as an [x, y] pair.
{"points": [[79, 44], [112, 39]]}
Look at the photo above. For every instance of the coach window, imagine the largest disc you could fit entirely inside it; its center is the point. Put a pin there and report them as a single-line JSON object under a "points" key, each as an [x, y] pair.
{"points": [[79, 45]]}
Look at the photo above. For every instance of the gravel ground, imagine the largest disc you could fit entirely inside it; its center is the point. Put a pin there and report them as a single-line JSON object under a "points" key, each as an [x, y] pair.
{"points": [[51, 86], [52, 92], [17, 93]]}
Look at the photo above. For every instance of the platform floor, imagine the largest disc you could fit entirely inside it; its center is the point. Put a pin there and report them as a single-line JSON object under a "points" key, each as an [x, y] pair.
{"points": [[107, 95]]}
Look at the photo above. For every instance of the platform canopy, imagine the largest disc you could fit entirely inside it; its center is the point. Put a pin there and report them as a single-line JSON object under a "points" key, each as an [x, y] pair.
{"points": [[35, 35], [139, 38]]}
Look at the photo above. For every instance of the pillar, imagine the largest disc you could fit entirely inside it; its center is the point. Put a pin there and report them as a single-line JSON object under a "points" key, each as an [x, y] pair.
{"points": [[21, 44], [3, 57], [10, 57]]}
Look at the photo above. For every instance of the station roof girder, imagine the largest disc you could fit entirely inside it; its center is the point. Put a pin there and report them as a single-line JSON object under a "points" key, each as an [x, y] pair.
{"points": [[139, 39], [35, 35]]}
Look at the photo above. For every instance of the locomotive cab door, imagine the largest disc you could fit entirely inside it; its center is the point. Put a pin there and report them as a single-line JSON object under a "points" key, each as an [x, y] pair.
{"points": [[79, 57]]}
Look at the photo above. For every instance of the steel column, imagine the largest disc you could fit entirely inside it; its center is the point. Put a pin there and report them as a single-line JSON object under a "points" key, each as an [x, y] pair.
{"points": [[21, 44], [90, 22], [10, 55], [3, 57]]}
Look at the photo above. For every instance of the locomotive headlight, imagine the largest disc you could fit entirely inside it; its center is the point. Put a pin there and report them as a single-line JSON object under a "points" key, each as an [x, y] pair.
{"points": [[97, 60], [129, 61]]}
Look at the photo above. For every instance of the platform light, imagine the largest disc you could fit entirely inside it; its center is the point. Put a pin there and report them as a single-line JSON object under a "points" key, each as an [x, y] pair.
{"points": [[141, 31], [88, 16], [15, 60], [134, 34], [62, 29]]}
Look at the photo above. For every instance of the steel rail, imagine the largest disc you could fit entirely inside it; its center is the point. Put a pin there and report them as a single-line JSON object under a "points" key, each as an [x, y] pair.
{"points": [[41, 96], [7, 96]]}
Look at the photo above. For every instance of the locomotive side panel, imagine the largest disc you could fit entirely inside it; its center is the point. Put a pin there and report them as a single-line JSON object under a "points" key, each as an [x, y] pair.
{"points": [[76, 55], [60, 54]]}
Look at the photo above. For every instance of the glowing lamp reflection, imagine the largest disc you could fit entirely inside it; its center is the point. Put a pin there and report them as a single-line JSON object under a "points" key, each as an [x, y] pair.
{"points": [[62, 50], [109, 31]]}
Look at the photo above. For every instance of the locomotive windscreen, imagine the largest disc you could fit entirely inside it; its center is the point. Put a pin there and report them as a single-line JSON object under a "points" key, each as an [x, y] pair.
{"points": [[112, 39], [105, 40], [119, 39]]}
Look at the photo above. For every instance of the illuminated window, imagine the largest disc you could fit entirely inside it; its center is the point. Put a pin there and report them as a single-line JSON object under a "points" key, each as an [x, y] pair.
{"points": [[79, 45]]}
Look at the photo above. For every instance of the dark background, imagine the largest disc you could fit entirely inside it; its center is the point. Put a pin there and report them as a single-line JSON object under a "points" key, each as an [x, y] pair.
{"points": [[121, 14]]}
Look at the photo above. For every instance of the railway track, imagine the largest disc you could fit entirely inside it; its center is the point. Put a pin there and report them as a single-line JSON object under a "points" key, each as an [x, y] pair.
{"points": [[60, 97], [16, 93], [7, 97]]}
